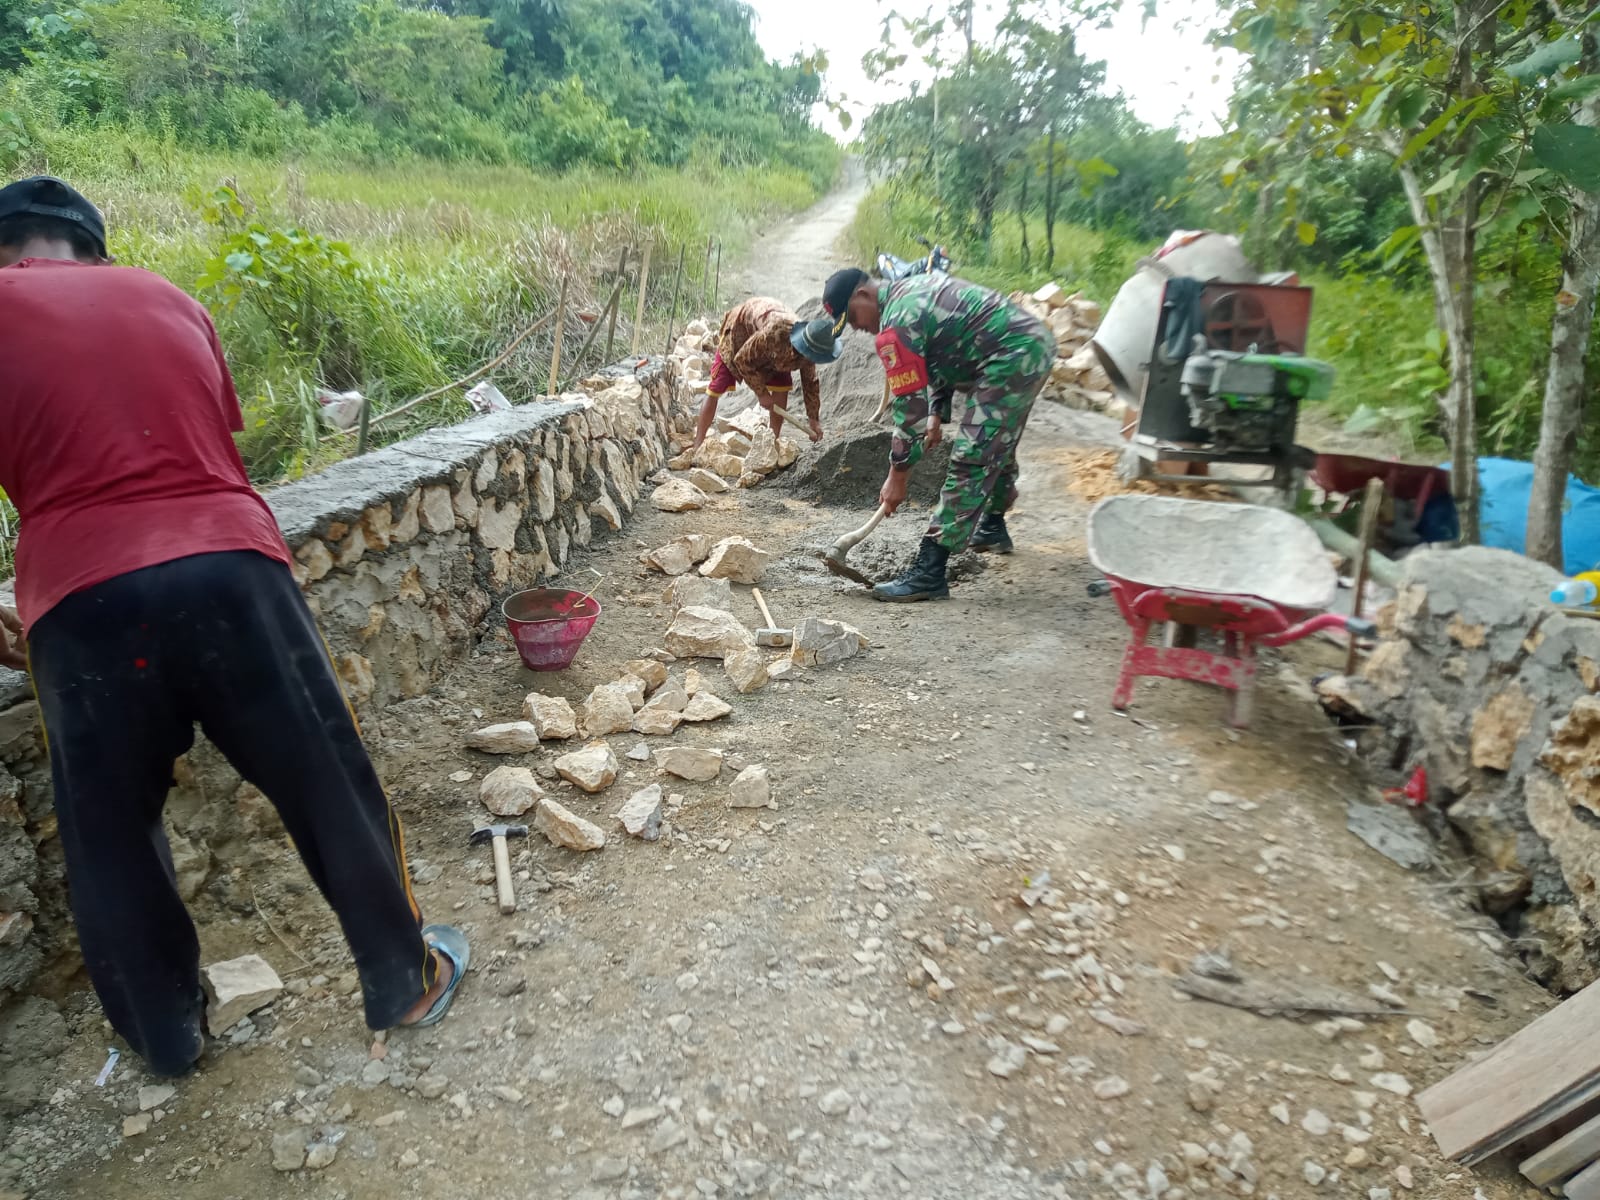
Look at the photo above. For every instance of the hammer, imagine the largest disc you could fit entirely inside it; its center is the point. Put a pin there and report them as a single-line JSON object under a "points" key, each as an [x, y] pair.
{"points": [[502, 859], [771, 635], [834, 558]]}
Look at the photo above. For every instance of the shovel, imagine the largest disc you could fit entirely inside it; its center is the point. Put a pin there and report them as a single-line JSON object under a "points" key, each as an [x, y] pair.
{"points": [[834, 557]]}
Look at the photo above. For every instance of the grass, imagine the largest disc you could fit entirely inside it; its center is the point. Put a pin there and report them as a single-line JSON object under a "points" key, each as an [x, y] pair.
{"points": [[422, 272]]}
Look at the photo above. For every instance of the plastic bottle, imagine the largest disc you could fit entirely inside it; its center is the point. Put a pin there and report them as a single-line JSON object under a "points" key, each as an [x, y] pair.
{"points": [[1578, 591]]}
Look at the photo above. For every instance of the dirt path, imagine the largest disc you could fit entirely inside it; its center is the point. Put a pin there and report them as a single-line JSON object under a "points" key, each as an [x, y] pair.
{"points": [[791, 261], [843, 995]]}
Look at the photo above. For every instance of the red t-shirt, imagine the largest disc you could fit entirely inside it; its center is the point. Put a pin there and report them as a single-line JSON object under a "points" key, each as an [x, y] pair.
{"points": [[116, 421]]}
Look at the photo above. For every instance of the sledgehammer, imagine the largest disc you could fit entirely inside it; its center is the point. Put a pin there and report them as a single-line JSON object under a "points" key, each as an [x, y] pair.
{"points": [[771, 635], [502, 859]]}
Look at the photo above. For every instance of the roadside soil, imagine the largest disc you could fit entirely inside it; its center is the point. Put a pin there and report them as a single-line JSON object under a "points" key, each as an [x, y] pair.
{"points": [[844, 994]]}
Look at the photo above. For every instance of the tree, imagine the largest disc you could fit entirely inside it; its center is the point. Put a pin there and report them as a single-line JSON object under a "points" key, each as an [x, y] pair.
{"points": [[1571, 151]]}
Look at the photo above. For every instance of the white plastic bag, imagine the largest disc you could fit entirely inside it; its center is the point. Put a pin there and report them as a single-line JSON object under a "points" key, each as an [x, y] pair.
{"points": [[486, 398]]}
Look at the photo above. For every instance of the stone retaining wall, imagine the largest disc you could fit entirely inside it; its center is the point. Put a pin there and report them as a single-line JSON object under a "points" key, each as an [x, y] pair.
{"points": [[403, 554], [1483, 681]]}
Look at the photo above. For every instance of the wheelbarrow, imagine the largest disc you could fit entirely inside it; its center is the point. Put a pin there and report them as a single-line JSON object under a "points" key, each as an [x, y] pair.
{"points": [[1250, 576]]}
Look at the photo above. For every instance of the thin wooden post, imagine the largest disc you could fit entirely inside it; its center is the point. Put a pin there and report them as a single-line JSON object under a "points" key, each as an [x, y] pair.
{"points": [[716, 286], [644, 286], [1371, 506], [611, 327], [561, 327], [365, 426], [594, 330], [676, 286], [705, 273]]}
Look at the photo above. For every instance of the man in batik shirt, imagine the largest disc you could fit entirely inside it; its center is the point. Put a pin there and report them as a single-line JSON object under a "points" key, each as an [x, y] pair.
{"points": [[759, 345]]}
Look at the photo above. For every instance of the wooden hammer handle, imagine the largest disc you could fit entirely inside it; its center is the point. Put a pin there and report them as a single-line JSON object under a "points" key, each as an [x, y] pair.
{"points": [[502, 875], [787, 415], [761, 603]]}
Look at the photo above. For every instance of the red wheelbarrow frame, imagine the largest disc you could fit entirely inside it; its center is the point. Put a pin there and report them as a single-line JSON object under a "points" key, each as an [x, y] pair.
{"points": [[1245, 622]]}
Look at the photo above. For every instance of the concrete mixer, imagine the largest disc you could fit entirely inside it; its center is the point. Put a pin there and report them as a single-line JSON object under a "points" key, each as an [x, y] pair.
{"points": [[1213, 355]]}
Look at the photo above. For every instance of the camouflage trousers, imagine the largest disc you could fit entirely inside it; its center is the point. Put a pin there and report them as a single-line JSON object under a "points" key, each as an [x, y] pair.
{"points": [[983, 455]]}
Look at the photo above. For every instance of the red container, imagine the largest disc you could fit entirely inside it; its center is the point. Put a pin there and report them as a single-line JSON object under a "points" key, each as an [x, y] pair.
{"points": [[549, 624]]}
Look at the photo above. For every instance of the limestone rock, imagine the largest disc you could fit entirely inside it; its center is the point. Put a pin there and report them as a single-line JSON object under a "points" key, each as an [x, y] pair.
{"points": [[693, 681], [752, 788], [818, 643], [706, 707], [593, 769], [289, 1149], [513, 737], [747, 669], [634, 688], [236, 988], [552, 717], [700, 632], [750, 479], [690, 762], [677, 495], [653, 673], [762, 457], [657, 722], [777, 670], [707, 481], [1051, 296], [1498, 726], [153, 1096], [641, 815], [510, 791], [321, 1154], [1573, 753], [669, 697], [681, 462], [787, 453], [680, 555], [699, 592], [737, 559], [607, 710], [565, 828]]}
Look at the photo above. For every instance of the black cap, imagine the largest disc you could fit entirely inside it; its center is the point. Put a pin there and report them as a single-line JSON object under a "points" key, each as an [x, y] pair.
{"points": [[816, 340], [47, 196], [837, 291]]}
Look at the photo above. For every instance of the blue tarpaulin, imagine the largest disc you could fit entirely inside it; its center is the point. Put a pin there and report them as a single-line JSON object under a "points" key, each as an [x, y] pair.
{"points": [[1505, 486]]}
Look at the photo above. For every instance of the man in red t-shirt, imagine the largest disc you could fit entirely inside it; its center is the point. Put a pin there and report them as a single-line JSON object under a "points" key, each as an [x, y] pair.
{"points": [[154, 595]]}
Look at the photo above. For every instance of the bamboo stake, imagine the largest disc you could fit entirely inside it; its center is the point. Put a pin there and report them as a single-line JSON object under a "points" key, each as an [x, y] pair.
{"points": [[644, 285], [561, 326], [705, 273], [594, 330], [716, 286], [1371, 505], [366, 425], [611, 328], [676, 286]]}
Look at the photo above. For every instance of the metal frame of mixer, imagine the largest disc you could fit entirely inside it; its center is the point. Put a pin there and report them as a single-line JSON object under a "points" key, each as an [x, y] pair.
{"points": [[1165, 433]]}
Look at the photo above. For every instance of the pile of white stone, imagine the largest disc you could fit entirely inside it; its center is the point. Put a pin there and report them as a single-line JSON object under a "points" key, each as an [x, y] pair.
{"points": [[743, 447], [1077, 379], [653, 701]]}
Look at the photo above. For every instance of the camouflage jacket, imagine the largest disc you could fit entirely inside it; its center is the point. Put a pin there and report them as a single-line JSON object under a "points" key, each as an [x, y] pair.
{"points": [[942, 333]]}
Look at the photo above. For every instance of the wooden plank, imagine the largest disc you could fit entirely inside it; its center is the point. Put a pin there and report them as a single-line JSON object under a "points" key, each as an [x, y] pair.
{"points": [[1586, 1185], [1537, 1069], [1564, 1155]]}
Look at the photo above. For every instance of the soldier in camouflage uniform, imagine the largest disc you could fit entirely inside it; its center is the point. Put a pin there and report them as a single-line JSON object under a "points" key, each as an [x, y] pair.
{"points": [[940, 333]]}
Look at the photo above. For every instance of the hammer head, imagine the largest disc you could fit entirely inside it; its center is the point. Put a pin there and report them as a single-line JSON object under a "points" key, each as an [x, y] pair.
{"points": [[774, 637], [486, 832]]}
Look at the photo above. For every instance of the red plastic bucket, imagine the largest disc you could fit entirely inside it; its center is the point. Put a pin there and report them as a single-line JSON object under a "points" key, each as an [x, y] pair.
{"points": [[548, 625]]}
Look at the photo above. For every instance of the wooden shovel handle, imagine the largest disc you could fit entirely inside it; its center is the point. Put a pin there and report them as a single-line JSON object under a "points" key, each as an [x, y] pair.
{"points": [[857, 535]]}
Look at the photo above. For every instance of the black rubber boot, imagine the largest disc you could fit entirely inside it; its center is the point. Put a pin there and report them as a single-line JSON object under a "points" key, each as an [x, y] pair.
{"points": [[924, 581], [991, 537]]}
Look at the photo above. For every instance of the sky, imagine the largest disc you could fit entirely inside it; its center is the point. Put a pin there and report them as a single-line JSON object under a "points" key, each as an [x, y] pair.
{"points": [[1165, 69]]}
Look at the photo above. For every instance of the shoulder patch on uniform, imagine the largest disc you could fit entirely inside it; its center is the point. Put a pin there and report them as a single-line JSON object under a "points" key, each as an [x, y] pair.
{"points": [[905, 368]]}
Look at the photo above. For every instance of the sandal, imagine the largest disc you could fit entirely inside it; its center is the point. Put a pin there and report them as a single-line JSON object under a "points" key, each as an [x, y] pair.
{"points": [[452, 943]]}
